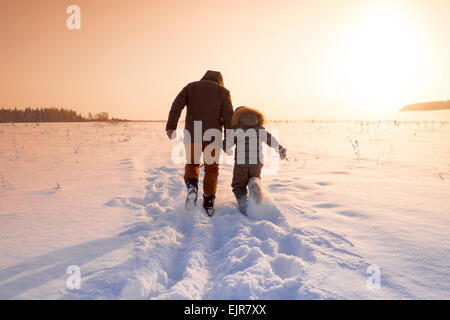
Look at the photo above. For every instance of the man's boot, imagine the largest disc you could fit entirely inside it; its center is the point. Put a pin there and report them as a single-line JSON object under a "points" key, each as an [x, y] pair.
{"points": [[208, 204], [192, 192]]}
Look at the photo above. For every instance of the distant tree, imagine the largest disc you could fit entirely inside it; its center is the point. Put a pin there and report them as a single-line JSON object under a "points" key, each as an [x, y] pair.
{"points": [[102, 116], [49, 115]]}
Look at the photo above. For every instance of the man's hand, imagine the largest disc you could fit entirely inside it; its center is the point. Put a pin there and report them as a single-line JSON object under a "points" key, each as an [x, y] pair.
{"points": [[171, 134], [282, 153]]}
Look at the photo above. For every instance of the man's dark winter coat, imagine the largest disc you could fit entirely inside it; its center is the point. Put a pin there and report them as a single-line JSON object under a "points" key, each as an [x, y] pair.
{"points": [[207, 100]]}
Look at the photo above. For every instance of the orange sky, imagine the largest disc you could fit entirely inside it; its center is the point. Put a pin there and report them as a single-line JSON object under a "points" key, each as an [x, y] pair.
{"points": [[298, 59]]}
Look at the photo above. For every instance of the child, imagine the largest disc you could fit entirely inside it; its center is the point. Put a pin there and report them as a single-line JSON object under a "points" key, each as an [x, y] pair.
{"points": [[249, 134]]}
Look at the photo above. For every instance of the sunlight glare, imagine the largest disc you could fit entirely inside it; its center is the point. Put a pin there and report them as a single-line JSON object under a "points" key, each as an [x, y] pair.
{"points": [[379, 62]]}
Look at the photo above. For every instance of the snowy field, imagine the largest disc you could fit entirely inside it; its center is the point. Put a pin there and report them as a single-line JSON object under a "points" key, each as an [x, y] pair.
{"points": [[107, 198]]}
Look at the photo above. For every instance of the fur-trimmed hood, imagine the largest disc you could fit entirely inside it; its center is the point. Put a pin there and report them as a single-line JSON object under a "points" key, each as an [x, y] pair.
{"points": [[247, 117]]}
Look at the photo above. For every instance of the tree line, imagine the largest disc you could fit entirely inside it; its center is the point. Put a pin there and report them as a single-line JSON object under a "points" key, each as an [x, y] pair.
{"points": [[50, 115]]}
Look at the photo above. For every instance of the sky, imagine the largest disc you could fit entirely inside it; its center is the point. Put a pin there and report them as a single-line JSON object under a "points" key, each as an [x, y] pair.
{"points": [[324, 59]]}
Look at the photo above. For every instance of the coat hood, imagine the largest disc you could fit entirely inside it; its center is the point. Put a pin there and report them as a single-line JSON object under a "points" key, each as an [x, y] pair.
{"points": [[247, 117], [215, 76]]}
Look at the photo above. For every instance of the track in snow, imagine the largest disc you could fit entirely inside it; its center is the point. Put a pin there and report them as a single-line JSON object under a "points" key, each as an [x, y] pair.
{"points": [[181, 254]]}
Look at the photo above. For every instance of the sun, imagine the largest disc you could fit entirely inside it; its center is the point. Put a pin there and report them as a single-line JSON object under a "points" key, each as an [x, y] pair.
{"points": [[380, 58]]}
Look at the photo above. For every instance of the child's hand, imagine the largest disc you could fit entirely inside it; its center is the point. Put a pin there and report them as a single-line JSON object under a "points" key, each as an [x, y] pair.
{"points": [[282, 153]]}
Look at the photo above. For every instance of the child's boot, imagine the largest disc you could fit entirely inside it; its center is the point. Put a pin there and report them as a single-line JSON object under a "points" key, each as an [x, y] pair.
{"points": [[254, 189], [242, 203]]}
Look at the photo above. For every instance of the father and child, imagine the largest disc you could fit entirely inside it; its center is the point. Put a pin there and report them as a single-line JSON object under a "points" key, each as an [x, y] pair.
{"points": [[208, 101]]}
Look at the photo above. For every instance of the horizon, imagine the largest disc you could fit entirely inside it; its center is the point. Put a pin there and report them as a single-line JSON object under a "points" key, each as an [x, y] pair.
{"points": [[439, 115], [302, 60]]}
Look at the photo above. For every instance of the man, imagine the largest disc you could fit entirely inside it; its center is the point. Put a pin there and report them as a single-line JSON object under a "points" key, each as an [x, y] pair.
{"points": [[208, 102]]}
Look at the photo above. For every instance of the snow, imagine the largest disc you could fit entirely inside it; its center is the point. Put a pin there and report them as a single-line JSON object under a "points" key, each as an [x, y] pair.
{"points": [[107, 198]]}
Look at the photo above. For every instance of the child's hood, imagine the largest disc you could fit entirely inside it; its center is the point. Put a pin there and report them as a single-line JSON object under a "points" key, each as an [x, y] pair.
{"points": [[247, 117]]}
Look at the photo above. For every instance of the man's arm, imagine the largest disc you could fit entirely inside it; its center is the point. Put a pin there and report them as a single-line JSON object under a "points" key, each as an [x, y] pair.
{"points": [[175, 111], [226, 140], [227, 109]]}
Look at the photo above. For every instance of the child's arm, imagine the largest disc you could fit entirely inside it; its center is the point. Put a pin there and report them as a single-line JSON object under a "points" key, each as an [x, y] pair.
{"points": [[273, 142]]}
